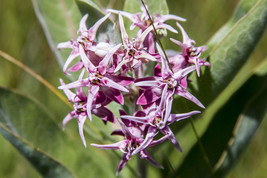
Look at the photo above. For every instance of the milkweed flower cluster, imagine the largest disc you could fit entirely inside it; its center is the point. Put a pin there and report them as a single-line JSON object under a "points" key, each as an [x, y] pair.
{"points": [[112, 72]]}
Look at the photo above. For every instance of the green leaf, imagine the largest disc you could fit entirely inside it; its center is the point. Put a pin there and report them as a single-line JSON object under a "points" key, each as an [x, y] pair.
{"points": [[246, 127], [28, 120], [154, 6], [220, 131], [241, 10], [231, 53], [60, 21], [47, 166], [107, 31]]}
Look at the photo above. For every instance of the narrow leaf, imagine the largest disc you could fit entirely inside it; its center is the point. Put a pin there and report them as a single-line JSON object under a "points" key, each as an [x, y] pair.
{"points": [[231, 53], [46, 165], [60, 21], [30, 121], [245, 129], [220, 130]]}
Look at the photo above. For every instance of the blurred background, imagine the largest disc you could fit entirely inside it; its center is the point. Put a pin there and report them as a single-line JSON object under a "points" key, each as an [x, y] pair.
{"points": [[22, 37]]}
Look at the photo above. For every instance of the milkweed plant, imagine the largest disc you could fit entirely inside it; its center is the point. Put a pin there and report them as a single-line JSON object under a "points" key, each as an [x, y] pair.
{"points": [[112, 72], [118, 57]]}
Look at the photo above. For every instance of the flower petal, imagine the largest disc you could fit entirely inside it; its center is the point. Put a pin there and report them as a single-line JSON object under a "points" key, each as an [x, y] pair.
{"points": [[144, 155], [165, 70], [168, 27], [113, 94], [125, 158], [178, 117], [105, 114], [124, 35], [152, 131], [149, 96], [67, 44], [117, 146], [70, 95], [82, 26], [76, 84], [104, 63], [110, 83], [121, 80], [142, 120], [164, 18], [128, 135], [67, 119], [81, 120], [91, 96], [86, 62], [144, 55], [156, 142], [139, 41], [78, 66], [92, 31], [189, 96], [71, 57], [184, 72], [186, 39], [167, 131]]}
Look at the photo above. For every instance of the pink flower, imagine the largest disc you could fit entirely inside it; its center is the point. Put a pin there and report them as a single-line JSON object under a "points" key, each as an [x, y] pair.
{"points": [[164, 78], [98, 80], [129, 146], [86, 40], [79, 101], [135, 53], [159, 117], [190, 53]]}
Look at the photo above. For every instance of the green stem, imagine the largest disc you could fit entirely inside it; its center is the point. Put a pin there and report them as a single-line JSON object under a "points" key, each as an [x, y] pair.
{"points": [[157, 36], [201, 147]]}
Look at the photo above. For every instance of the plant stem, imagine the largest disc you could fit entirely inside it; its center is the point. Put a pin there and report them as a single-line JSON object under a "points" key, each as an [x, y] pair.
{"points": [[157, 36], [36, 76], [201, 147]]}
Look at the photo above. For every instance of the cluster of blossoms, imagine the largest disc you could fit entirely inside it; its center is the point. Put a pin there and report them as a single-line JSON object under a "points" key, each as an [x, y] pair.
{"points": [[113, 72]]}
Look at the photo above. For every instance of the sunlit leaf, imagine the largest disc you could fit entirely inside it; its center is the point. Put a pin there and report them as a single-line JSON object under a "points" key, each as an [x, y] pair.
{"points": [[227, 57], [154, 6], [60, 21]]}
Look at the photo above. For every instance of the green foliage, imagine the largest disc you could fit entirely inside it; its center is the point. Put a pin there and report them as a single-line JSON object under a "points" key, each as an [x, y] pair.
{"points": [[59, 20], [233, 89], [31, 129], [154, 6]]}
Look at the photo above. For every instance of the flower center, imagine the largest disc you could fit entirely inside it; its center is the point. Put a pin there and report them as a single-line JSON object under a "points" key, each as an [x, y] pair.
{"points": [[193, 52], [172, 83], [158, 122], [131, 52], [94, 78], [79, 107]]}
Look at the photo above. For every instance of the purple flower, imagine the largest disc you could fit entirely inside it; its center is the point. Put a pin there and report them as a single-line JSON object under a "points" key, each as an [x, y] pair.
{"points": [[135, 53], [99, 80], [86, 39], [79, 101], [132, 142], [190, 53], [164, 78], [142, 20], [158, 118]]}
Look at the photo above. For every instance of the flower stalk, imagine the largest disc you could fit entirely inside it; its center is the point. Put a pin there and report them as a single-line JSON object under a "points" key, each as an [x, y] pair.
{"points": [[111, 72]]}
